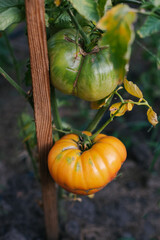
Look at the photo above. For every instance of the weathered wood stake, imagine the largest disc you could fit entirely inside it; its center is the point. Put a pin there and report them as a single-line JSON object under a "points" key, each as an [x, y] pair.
{"points": [[35, 14]]}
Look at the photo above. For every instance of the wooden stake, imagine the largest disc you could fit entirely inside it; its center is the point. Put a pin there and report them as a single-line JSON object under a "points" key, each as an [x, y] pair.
{"points": [[35, 14]]}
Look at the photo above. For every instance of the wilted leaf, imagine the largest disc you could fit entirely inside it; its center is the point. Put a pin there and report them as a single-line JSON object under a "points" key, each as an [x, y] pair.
{"points": [[119, 36], [132, 89], [87, 8], [10, 16], [57, 2], [117, 106], [100, 103], [150, 26], [152, 117], [130, 106]]}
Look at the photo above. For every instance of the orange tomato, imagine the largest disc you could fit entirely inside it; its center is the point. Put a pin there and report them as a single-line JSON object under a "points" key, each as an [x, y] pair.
{"points": [[85, 171]]}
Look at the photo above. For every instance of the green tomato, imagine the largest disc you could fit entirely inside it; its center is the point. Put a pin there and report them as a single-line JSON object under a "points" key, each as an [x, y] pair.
{"points": [[89, 76]]}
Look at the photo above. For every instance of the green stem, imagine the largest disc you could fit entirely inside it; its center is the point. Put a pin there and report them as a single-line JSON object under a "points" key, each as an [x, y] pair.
{"points": [[13, 83], [74, 131], [106, 123], [139, 103], [149, 13], [122, 100], [77, 25], [98, 116], [15, 63], [148, 51], [56, 116]]}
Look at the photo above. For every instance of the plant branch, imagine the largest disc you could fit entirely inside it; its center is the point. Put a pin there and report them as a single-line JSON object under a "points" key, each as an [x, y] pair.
{"points": [[56, 116], [148, 51], [13, 83], [106, 123], [98, 116], [69, 131], [154, 14], [122, 100], [77, 25]]}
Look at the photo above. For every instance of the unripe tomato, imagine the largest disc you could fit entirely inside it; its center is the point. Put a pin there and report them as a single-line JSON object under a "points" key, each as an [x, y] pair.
{"points": [[85, 171], [89, 76]]}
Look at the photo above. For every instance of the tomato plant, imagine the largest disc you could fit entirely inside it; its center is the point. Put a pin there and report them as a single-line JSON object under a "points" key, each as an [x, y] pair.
{"points": [[89, 49]]}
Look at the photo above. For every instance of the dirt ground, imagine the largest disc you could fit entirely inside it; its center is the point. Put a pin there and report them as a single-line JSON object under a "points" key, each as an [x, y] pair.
{"points": [[127, 209]]}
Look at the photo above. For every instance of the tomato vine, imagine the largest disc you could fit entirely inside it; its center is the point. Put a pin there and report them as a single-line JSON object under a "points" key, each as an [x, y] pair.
{"points": [[89, 53]]}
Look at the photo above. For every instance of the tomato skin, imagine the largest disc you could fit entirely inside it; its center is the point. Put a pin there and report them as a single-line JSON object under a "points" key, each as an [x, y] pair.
{"points": [[85, 172], [88, 76]]}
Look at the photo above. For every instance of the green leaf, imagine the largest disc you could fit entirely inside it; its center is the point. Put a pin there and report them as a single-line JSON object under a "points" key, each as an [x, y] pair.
{"points": [[87, 8], [101, 6], [46, 20], [150, 26], [10, 16], [119, 36], [28, 131], [4, 4]]}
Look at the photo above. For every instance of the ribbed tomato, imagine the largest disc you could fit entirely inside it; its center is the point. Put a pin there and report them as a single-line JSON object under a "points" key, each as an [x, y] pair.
{"points": [[85, 171], [89, 76]]}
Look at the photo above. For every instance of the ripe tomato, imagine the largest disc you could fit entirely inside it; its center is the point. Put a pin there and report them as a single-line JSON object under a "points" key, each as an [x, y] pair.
{"points": [[89, 76], [85, 171]]}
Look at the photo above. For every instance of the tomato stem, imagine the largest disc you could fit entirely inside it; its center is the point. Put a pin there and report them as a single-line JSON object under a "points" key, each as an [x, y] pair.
{"points": [[79, 28], [99, 116], [56, 116], [122, 100], [106, 123], [69, 131], [13, 83]]}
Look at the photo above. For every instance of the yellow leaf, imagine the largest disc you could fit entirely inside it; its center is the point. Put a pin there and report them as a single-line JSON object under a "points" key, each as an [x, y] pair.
{"points": [[152, 117], [130, 106], [117, 24], [57, 2], [116, 106], [132, 89]]}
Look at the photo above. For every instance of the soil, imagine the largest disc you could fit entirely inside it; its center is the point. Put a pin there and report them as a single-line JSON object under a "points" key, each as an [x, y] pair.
{"points": [[126, 209]]}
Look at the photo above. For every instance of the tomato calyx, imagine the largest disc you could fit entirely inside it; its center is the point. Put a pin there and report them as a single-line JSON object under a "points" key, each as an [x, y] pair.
{"points": [[84, 143], [93, 49]]}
